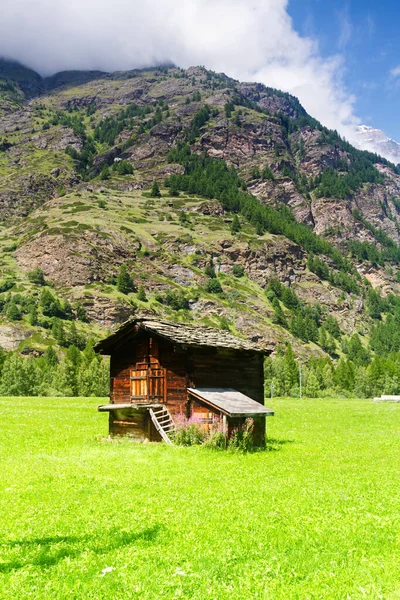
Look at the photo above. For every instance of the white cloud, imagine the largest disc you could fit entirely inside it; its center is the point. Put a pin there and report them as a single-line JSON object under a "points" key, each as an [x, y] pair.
{"points": [[247, 39], [395, 72], [345, 28]]}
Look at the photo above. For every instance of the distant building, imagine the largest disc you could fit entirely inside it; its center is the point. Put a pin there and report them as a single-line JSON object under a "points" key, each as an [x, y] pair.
{"points": [[162, 370]]}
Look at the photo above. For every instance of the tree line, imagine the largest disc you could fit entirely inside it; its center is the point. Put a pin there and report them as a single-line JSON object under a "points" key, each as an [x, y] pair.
{"points": [[73, 373], [356, 374]]}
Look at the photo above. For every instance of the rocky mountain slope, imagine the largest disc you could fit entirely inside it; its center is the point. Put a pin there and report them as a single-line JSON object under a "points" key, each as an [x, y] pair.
{"points": [[266, 222]]}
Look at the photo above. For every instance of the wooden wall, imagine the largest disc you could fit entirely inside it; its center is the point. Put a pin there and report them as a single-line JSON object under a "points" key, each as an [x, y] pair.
{"points": [[242, 371], [120, 384]]}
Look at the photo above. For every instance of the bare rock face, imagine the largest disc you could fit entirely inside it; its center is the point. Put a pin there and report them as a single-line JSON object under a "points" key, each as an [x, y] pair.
{"points": [[182, 275], [239, 145], [26, 194], [377, 207], [273, 103], [74, 260], [57, 140], [106, 312], [316, 156], [283, 261], [12, 335], [332, 216], [210, 208]]}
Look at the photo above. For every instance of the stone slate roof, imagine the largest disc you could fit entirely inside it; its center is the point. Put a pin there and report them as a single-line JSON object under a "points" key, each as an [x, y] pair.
{"points": [[231, 402], [178, 333]]}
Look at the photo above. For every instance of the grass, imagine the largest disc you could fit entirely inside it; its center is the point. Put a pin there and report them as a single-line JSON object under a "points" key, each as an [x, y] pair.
{"points": [[316, 516]]}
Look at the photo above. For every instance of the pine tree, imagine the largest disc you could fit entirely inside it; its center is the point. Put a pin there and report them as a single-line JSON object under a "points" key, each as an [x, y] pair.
{"points": [[37, 276], [65, 379], [312, 387], [73, 336], [278, 317], [124, 281], [13, 312], [33, 316], [235, 225], [50, 305], [374, 304], [74, 356], [377, 375], [289, 298], [362, 383], [93, 378], [155, 190], [210, 269], [105, 173], [291, 365], [327, 377], [173, 188], [50, 356], [20, 377], [356, 351], [267, 173], [141, 295], [32, 377], [88, 354], [58, 332], [344, 375], [3, 356], [81, 313], [259, 228]]}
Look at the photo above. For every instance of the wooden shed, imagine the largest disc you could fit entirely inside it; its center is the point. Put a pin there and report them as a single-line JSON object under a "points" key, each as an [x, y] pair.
{"points": [[162, 371]]}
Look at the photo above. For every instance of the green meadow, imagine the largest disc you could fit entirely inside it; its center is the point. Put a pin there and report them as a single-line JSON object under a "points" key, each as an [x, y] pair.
{"points": [[316, 515]]}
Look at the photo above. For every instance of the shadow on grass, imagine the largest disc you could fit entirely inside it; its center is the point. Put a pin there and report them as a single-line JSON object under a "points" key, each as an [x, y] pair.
{"points": [[274, 445], [48, 551]]}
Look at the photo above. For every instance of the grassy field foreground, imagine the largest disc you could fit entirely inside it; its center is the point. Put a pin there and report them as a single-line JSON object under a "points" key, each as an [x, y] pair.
{"points": [[316, 516]]}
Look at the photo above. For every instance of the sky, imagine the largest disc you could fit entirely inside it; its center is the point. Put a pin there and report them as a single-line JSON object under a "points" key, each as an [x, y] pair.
{"points": [[341, 59], [365, 33]]}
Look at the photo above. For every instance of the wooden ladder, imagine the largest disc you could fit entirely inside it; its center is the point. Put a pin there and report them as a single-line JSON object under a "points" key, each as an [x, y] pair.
{"points": [[163, 423]]}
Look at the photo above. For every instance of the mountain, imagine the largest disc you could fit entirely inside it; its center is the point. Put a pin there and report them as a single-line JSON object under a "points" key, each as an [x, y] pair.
{"points": [[194, 196], [368, 138]]}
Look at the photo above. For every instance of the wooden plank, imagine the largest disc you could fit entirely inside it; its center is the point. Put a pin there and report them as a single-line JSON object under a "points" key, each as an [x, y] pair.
{"points": [[159, 427]]}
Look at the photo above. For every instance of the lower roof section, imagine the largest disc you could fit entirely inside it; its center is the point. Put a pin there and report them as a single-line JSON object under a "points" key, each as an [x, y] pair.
{"points": [[230, 402], [136, 406]]}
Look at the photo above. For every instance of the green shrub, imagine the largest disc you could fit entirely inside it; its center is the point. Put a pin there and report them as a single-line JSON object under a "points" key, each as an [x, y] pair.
{"points": [[175, 299], [6, 284], [238, 270], [122, 167], [213, 286], [189, 435], [242, 437], [37, 276], [105, 173], [224, 324]]}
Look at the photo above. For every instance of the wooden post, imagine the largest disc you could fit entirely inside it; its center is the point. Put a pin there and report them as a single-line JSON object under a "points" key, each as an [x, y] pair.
{"points": [[225, 429]]}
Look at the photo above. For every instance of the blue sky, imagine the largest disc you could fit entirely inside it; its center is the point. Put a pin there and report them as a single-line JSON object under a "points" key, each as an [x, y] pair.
{"points": [[366, 34]]}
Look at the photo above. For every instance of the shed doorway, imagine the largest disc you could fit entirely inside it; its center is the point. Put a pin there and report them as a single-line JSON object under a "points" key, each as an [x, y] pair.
{"points": [[148, 384], [148, 378]]}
